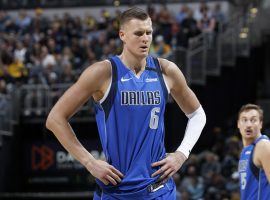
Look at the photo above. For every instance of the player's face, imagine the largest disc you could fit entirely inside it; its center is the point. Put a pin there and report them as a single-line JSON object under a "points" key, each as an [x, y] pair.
{"points": [[137, 36], [249, 124]]}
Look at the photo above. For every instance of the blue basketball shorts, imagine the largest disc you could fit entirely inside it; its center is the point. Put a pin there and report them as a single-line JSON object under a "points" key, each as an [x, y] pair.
{"points": [[170, 195]]}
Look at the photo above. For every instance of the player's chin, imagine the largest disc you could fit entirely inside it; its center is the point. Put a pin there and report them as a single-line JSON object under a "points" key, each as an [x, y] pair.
{"points": [[249, 135], [143, 53]]}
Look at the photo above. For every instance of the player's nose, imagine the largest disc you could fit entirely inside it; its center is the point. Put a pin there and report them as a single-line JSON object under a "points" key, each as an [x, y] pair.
{"points": [[145, 38]]}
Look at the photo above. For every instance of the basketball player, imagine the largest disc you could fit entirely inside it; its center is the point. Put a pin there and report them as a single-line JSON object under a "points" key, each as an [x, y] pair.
{"points": [[254, 163], [130, 93]]}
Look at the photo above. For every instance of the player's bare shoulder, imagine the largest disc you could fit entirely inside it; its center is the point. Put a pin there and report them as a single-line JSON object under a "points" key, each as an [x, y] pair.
{"points": [[97, 73], [96, 78], [172, 73], [262, 151], [167, 66], [263, 146], [101, 68]]}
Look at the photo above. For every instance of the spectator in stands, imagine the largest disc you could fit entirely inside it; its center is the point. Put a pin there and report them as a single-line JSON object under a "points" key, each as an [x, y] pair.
{"points": [[151, 10], [19, 52], [219, 17], [230, 161], [182, 14], [98, 44], [47, 59], [210, 165], [23, 21], [189, 25], [104, 19], [165, 19], [3, 87], [91, 58], [216, 187], [217, 141], [112, 31], [161, 49], [39, 22], [193, 183], [106, 52], [67, 56], [5, 21], [203, 7], [207, 25], [52, 46], [179, 38], [68, 75], [232, 184], [12, 70], [33, 60], [89, 23]]}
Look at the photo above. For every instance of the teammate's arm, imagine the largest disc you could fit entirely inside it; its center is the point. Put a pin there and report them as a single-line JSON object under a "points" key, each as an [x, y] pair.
{"points": [[190, 105], [92, 82], [262, 155]]}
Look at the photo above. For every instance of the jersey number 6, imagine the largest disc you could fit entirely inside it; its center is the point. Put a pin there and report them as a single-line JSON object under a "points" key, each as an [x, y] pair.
{"points": [[153, 124]]}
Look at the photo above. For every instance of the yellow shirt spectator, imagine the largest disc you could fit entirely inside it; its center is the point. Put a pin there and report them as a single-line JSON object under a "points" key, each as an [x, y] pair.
{"points": [[17, 69]]}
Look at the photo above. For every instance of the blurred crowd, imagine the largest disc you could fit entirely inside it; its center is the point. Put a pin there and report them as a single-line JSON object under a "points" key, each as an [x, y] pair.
{"points": [[213, 174]]}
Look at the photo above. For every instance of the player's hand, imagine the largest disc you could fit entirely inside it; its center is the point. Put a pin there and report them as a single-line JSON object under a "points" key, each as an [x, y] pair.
{"points": [[104, 172], [169, 165]]}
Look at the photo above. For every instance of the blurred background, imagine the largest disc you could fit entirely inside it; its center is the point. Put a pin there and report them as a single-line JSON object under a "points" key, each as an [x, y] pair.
{"points": [[222, 47]]}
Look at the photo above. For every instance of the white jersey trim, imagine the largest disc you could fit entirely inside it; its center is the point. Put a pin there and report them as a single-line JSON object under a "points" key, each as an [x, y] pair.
{"points": [[108, 89], [167, 86]]}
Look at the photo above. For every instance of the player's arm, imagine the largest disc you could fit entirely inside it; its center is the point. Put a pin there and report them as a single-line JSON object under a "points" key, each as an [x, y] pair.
{"points": [[189, 104], [262, 155], [92, 82]]}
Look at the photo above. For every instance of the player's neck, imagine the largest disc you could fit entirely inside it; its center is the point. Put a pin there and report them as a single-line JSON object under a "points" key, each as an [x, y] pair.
{"points": [[249, 141], [135, 64]]}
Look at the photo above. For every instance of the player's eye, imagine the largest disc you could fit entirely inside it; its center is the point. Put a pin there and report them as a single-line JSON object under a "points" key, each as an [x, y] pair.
{"points": [[139, 33], [244, 120], [253, 121]]}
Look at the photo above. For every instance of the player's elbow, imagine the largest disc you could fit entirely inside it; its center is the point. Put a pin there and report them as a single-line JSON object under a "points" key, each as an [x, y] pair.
{"points": [[51, 121]]}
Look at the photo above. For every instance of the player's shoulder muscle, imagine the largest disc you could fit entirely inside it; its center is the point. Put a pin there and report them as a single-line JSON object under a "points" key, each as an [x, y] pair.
{"points": [[96, 75], [262, 152], [172, 73]]}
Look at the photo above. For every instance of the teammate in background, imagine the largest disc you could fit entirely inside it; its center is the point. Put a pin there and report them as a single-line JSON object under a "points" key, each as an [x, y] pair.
{"points": [[130, 92], [254, 165]]}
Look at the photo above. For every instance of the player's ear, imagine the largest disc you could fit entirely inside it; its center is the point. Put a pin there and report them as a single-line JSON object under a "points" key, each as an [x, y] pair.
{"points": [[122, 35]]}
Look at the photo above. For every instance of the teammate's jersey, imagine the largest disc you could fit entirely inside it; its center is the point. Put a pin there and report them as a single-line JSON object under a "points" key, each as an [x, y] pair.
{"points": [[130, 119], [253, 181]]}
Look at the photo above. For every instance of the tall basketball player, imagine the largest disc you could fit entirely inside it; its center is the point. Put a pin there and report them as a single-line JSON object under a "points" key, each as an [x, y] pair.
{"points": [[254, 164], [130, 92]]}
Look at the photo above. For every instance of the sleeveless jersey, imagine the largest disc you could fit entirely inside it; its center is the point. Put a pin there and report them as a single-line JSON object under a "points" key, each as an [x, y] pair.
{"points": [[130, 120], [253, 181]]}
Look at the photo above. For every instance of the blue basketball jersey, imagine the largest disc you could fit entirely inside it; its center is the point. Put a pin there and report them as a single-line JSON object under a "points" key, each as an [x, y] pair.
{"points": [[253, 180], [130, 120]]}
